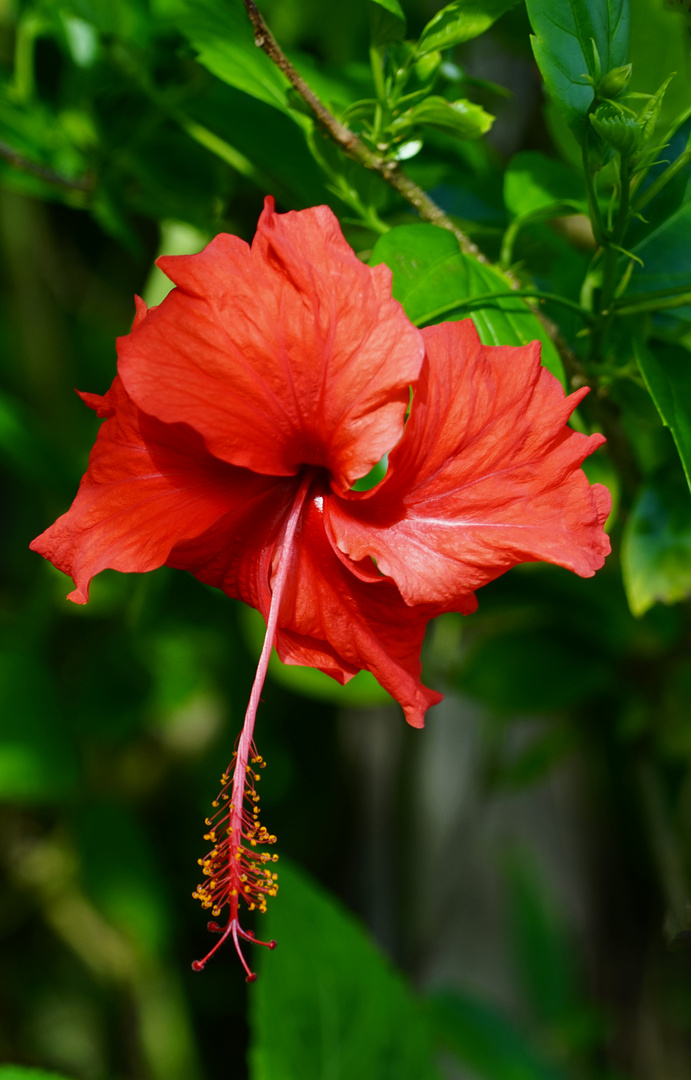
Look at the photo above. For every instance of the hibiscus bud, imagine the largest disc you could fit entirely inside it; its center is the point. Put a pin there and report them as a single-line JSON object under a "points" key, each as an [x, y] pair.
{"points": [[617, 129], [614, 82]]}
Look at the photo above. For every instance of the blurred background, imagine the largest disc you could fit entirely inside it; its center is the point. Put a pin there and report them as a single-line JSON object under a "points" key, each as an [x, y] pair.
{"points": [[523, 863]]}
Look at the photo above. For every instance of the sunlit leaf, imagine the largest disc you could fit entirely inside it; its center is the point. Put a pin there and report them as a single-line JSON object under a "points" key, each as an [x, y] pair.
{"points": [[656, 546], [575, 38], [667, 373], [222, 36], [461, 21], [432, 279], [327, 1003], [461, 118]]}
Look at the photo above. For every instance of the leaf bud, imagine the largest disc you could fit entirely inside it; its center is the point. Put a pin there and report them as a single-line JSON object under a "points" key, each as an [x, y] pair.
{"points": [[617, 129], [426, 68], [614, 82]]}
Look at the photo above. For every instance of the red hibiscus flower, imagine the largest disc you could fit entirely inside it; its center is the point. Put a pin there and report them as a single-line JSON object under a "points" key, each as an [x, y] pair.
{"points": [[245, 408]]}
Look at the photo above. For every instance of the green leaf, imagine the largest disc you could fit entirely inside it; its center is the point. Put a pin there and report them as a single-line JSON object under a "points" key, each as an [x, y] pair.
{"points": [[266, 138], [667, 374], [573, 39], [387, 21], [666, 256], [534, 183], [485, 1040], [431, 278], [327, 1003], [656, 546], [19, 1072], [459, 22], [650, 113], [222, 37], [461, 118]]}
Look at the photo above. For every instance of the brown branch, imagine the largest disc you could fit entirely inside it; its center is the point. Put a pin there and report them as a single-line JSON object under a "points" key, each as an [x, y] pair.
{"points": [[42, 171], [352, 144], [392, 174]]}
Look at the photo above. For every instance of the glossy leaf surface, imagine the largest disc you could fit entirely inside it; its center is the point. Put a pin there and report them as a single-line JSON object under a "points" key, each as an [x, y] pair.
{"points": [[432, 279], [461, 118], [565, 31], [459, 22]]}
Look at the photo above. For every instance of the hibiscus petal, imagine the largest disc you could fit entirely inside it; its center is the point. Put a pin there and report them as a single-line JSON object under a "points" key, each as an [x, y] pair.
{"points": [[487, 475], [148, 486], [329, 619], [290, 353]]}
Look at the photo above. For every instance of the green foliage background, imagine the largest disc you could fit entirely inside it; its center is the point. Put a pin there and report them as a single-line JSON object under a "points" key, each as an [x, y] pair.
{"points": [[506, 895]]}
